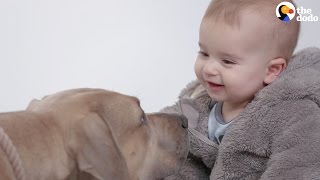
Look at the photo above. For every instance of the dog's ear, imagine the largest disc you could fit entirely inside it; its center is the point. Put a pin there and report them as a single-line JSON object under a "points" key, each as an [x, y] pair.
{"points": [[96, 150]]}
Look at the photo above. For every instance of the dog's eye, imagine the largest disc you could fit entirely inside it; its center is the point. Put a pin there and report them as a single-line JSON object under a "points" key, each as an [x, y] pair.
{"points": [[144, 118]]}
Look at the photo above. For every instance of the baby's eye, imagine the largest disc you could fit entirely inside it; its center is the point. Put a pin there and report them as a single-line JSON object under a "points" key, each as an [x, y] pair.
{"points": [[201, 53], [225, 61]]}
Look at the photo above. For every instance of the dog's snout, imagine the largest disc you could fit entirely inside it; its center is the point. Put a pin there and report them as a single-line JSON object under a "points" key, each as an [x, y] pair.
{"points": [[184, 121], [172, 117]]}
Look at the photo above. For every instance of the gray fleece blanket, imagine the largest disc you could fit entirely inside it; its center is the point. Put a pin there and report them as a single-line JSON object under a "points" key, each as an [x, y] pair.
{"points": [[277, 136]]}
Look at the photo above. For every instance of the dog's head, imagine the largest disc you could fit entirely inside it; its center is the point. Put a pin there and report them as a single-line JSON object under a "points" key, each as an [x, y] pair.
{"points": [[111, 136]]}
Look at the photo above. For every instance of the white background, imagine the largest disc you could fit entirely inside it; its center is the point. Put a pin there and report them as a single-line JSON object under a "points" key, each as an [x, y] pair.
{"points": [[143, 48]]}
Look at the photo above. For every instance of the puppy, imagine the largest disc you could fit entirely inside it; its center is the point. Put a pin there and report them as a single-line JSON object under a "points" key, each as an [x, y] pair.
{"points": [[94, 134]]}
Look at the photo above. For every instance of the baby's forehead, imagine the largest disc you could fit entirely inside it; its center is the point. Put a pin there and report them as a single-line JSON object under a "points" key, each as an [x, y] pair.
{"points": [[242, 17], [260, 14], [231, 12], [251, 35], [247, 20]]}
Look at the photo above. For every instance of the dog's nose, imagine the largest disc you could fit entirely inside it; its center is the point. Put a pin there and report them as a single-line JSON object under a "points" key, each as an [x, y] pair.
{"points": [[184, 121]]}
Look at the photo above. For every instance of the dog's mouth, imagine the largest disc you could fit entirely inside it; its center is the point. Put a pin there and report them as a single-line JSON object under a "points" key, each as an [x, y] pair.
{"points": [[182, 151], [171, 138]]}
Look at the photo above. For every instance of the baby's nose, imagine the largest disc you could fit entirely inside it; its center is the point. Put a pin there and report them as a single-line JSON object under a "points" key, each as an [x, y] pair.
{"points": [[211, 68]]}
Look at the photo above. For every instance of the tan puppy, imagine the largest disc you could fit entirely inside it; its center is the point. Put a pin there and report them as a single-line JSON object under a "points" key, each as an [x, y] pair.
{"points": [[89, 134]]}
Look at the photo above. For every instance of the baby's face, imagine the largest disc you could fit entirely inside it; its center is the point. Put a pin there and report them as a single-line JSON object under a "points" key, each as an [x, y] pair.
{"points": [[232, 62]]}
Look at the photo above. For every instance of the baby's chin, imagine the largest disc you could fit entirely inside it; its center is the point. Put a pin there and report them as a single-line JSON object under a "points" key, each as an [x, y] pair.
{"points": [[215, 97]]}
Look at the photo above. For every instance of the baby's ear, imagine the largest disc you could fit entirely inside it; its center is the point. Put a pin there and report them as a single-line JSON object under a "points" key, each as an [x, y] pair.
{"points": [[274, 68]]}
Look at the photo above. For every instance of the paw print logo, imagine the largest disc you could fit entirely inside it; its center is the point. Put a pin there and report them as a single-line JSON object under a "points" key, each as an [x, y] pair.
{"points": [[285, 11]]}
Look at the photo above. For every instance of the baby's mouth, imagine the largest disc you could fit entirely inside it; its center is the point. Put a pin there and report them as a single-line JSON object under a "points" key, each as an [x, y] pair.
{"points": [[214, 86]]}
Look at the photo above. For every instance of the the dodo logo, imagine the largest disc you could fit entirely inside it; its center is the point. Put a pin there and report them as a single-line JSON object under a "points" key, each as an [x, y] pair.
{"points": [[285, 11]]}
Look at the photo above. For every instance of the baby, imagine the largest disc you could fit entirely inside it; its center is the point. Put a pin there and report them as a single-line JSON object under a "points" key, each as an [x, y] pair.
{"points": [[245, 122], [243, 48]]}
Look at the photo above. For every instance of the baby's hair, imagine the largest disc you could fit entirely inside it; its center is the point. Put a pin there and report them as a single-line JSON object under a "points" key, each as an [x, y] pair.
{"points": [[284, 34]]}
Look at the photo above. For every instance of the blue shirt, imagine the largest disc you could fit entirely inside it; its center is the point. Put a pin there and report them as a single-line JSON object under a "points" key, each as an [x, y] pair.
{"points": [[216, 123]]}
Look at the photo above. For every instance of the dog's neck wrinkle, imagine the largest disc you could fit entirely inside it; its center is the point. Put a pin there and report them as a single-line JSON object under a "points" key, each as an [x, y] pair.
{"points": [[135, 163], [148, 171], [135, 152]]}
